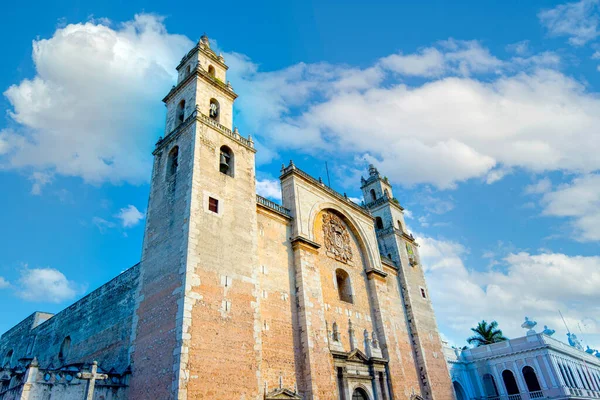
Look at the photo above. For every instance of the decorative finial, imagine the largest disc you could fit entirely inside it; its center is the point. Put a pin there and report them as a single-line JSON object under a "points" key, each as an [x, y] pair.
{"points": [[204, 40], [375, 341], [372, 170], [547, 331]]}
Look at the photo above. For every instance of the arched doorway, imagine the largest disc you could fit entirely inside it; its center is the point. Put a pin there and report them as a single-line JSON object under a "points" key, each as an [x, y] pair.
{"points": [[458, 391], [531, 380], [489, 385], [360, 394], [509, 382]]}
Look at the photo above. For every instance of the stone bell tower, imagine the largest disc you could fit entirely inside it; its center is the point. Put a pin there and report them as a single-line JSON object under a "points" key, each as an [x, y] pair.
{"points": [[194, 326], [398, 245]]}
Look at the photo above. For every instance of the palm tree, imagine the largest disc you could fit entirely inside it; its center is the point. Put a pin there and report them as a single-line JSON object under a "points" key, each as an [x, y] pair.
{"points": [[486, 334]]}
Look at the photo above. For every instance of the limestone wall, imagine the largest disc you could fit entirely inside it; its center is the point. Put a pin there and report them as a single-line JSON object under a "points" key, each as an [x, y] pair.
{"points": [[99, 326], [281, 357]]}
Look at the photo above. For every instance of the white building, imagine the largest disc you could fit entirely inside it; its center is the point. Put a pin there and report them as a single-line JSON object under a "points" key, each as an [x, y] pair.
{"points": [[530, 367]]}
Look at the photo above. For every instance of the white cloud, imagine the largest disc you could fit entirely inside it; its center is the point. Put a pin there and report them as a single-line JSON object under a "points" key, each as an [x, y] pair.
{"points": [[577, 20], [92, 110], [455, 56], [356, 200], [40, 179], [47, 285], [542, 186], [93, 106], [102, 224], [3, 283], [451, 128], [580, 202], [497, 174], [130, 216], [533, 285], [269, 188], [521, 48]]}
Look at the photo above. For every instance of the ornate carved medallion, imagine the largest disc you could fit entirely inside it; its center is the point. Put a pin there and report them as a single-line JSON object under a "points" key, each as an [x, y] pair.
{"points": [[337, 238]]}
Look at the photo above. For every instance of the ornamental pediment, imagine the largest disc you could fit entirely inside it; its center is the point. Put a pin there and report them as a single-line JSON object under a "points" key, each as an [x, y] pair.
{"points": [[282, 393], [358, 356]]}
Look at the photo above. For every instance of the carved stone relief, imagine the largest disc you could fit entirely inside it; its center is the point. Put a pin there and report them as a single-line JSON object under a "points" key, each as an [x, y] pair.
{"points": [[337, 238]]}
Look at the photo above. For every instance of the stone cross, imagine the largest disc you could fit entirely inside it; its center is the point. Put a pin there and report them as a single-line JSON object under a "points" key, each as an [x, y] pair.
{"points": [[91, 378]]}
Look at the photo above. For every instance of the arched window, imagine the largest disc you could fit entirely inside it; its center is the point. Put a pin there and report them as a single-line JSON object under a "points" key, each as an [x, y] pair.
{"points": [[509, 382], [360, 394], [344, 286], [399, 225], [215, 109], [7, 358], [459, 391], [531, 380], [211, 70], [386, 193], [64, 350], [378, 223], [373, 195], [188, 70], [180, 112], [173, 162], [489, 385], [226, 161]]}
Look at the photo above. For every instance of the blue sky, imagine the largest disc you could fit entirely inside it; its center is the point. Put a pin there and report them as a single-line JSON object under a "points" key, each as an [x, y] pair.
{"points": [[483, 114]]}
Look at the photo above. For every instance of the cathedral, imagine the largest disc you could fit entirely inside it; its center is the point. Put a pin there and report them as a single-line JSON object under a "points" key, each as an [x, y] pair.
{"points": [[236, 296]]}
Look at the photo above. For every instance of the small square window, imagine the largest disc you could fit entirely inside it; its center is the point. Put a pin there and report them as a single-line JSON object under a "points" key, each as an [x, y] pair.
{"points": [[423, 293], [213, 205]]}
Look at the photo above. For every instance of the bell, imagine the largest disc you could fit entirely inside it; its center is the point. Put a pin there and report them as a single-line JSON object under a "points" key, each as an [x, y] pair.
{"points": [[223, 163]]}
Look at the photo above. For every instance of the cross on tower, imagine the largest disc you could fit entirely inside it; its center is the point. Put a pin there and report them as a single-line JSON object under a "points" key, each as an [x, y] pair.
{"points": [[91, 378]]}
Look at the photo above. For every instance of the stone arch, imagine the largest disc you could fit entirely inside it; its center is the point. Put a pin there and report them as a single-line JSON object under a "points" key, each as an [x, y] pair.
{"points": [[214, 109], [7, 358], [510, 383], [368, 255], [360, 393], [172, 161], [531, 379], [373, 194], [489, 386], [459, 392], [65, 347], [211, 70], [344, 285], [180, 112], [226, 161]]}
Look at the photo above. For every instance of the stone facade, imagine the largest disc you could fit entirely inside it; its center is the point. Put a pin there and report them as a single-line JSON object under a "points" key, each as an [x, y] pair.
{"points": [[237, 297]]}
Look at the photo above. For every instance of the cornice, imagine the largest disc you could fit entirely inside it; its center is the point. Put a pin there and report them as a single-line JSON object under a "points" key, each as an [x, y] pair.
{"points": [[197, 116], [199, 71], [209, 53], [301, 241], [376, 273]]}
